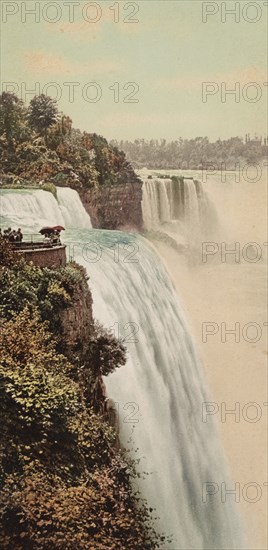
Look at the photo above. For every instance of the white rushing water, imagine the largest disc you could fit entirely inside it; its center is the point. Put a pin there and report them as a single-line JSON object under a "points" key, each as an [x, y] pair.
{"points": [[37, 208], [162, 388], [72, 209], [179, 208]]}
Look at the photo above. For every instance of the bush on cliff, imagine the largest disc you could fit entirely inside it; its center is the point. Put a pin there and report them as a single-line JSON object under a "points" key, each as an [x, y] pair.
{"points": [[8, 256], [50, 290], [50, 187], [63, 482]]}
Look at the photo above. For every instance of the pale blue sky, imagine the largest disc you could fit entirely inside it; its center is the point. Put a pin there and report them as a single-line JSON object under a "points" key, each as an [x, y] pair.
{"points": [[168, 53]]}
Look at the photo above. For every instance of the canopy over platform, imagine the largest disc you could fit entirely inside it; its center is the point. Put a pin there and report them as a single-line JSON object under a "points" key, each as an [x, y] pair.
{"points": [[51, 230]]}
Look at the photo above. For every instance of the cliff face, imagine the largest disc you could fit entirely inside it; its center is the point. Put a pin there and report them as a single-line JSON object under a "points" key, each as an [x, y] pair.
{"points": [[77, 322], [114, 207]]}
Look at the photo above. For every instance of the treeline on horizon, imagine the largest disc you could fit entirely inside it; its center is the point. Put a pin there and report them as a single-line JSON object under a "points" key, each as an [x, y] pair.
{"points": [[38, 143], [193, 154]]}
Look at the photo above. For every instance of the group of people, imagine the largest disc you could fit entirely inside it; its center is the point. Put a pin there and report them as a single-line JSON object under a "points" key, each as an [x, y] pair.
{"points": [[12, 235], [52, 238]]}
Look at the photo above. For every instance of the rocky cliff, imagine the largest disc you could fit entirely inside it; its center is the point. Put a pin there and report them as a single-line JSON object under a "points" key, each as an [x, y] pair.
{"points": [[77, 322], [114, 207]]}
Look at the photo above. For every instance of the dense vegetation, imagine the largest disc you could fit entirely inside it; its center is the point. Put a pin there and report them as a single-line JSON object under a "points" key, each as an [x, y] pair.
{"points": [[192, 154], [64, 482], [37, 143]]}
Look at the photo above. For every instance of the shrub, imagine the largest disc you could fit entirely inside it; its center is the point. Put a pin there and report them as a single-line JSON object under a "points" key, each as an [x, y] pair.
{"points": [[51, 188], [64, 483], [8, 256], [50, 290]]}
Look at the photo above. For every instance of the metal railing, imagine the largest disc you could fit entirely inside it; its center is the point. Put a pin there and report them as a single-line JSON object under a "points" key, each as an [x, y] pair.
{"points": [[33, 241], [33, 237]]}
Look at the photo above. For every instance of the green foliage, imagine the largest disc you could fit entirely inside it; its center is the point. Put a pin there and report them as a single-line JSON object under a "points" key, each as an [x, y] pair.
{"points": [[33, 380], [105, 352], [102, 354], [8, 256], [34, 161], [64, 483], [50, 187], [50, 290], [12, 118], [49, 149], [42, 113]]}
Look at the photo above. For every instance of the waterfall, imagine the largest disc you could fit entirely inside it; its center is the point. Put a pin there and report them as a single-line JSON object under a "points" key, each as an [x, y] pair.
{"points": [[178, 206], [191, 204], [164, 202], [161, 390], [150, 205], [72, 209], [33, 209]]}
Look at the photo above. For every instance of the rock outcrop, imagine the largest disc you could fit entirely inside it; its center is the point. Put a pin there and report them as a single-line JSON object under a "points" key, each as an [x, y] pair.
{"points": [[114, 207], [77, 322]]}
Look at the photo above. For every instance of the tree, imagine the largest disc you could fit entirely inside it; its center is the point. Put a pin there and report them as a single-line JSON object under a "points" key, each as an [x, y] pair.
{"points": [[43, 113], [12, 116], [8, 256]]}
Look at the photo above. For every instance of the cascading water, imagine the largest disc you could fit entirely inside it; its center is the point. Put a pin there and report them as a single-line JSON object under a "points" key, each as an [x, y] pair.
{"points": [[72, 209], [178, 207], [161, 389], [150, 205], [33, 209], [192, 215]]}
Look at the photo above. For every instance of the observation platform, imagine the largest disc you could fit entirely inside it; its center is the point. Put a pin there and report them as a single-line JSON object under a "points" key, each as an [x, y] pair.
{"points": [[42, 254]]}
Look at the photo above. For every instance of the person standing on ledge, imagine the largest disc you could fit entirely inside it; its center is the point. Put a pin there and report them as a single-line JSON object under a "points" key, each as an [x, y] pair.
{"points": [[19, 236]]}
